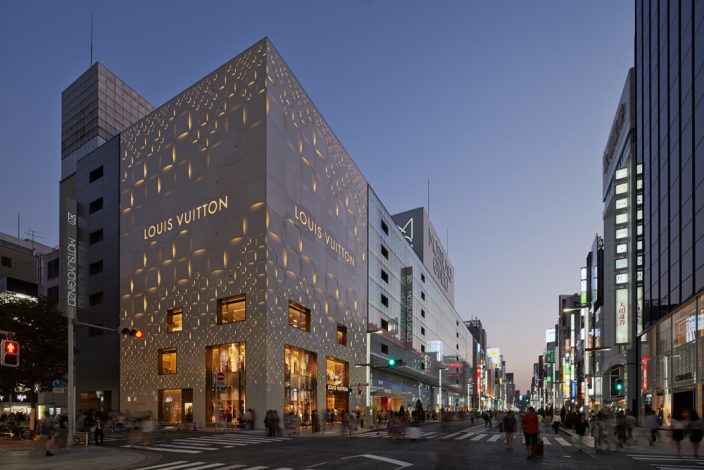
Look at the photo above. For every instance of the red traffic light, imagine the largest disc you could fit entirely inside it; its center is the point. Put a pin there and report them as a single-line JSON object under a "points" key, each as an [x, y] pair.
{"points": [[139, 334], [10, 353]]}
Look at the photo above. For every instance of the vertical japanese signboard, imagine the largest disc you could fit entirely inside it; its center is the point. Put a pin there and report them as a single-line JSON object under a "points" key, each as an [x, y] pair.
{"points": [[621, 316], [407, 305]]}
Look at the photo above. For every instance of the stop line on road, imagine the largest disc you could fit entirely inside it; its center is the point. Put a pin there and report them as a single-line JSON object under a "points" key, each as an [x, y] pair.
{"points": [[668, 462], [466, 434]]}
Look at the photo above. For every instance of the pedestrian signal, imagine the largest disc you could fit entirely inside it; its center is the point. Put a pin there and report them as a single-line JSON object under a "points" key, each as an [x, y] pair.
{"points": [[391, 362], [619, 385], [10, 354]]}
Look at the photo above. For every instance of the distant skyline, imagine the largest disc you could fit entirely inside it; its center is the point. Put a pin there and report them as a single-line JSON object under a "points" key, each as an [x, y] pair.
{"points": [[505, 106]]}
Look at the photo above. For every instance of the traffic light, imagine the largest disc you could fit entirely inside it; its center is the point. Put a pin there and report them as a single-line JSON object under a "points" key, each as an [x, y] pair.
{"points": [[349, 392], [391, 362], [619, 385], [138, 334], [10, 354]]}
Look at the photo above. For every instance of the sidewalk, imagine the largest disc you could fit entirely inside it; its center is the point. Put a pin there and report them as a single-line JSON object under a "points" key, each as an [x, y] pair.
{"points": [[30, 455]]}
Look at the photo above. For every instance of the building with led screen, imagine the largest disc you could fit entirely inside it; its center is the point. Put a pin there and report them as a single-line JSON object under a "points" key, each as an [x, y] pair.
{"points": [[243, 241]]}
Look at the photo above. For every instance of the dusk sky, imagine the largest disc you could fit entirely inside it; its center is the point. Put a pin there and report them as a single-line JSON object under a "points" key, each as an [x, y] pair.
{"points": [[505, 106]]}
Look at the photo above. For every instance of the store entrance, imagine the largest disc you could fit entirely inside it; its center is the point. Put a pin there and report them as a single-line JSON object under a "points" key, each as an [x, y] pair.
{"points": [[682, 401]]}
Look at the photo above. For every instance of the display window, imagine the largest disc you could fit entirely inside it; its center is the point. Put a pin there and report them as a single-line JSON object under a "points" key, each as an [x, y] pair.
{"points": [[225, 383], [300, 388]]}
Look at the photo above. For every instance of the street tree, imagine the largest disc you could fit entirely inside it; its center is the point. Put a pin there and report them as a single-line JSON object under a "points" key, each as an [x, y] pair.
{"points": [[41, 331]]}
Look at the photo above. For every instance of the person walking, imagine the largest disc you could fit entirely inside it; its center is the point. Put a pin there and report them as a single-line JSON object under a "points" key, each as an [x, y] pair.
{"points": [[99, 435], [509, 429], [598, 429], [695, 431], [556, 420], [47, 432], [678, 428], [581, 426], [531, 431], [653, 424]]}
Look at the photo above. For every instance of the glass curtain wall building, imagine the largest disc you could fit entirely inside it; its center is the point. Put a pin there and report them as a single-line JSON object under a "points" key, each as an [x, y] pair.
{"points": [[669, 57]]}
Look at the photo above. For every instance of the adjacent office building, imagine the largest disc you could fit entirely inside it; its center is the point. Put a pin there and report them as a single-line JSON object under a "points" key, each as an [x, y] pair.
{"points": [[94, 110], [411, 309], [669, 55]]}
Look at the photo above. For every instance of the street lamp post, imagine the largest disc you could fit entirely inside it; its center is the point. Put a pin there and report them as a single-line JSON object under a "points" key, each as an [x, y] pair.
{"points": [[368, 373]]}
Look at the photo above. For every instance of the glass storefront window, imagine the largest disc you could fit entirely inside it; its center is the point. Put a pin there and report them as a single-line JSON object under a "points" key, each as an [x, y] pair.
{"points": [[683, 346], [231, 309], [174, 320], [167, 361], [225, 399], [175, 406], [337, 376], [301, 381], [298, 316]]}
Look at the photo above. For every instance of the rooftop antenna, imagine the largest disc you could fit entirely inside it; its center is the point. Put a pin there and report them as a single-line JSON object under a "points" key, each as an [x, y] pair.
{"points": [[428, 196], [33, 234], [91, 41], [18, 225]]}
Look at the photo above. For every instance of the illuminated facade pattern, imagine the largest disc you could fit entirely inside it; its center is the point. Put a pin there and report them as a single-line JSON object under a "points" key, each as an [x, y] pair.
{"points": [[237, 186]]}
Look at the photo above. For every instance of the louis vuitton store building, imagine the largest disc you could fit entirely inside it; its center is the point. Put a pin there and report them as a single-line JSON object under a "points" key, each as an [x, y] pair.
{"points": [[243, 244]]}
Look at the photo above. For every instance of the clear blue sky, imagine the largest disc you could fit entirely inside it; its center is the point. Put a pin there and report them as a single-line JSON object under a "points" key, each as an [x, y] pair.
{"points": [[505, 105]]}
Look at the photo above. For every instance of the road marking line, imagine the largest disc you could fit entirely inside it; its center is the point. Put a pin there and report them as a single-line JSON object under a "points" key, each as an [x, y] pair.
{"points": [[479, 437], [464, 437], [174, 466], [546, 442], [425, 435], [562, 442], [181, 446], [203, 467], [166, 465], [400, 463], [230, 467], [184, 451], [493, 438], [206, 442], [451, 435], [258, 467]]}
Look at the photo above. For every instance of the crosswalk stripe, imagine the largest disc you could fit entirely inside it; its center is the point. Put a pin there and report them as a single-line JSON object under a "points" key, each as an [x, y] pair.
{"points": [[203, 467], [177, 465], [439, 436], [451, 435], [479, 437], [191, 442], [183, 451], [209, 442], [154, 467], [258, 467], [562, 442], [547, 442], [230, 467], [181, 446], [493, 438], [426, 435], [465, 436]]}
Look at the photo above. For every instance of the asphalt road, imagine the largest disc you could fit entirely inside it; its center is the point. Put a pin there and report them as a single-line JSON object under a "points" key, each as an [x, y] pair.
{"points": [[459, 446]]}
